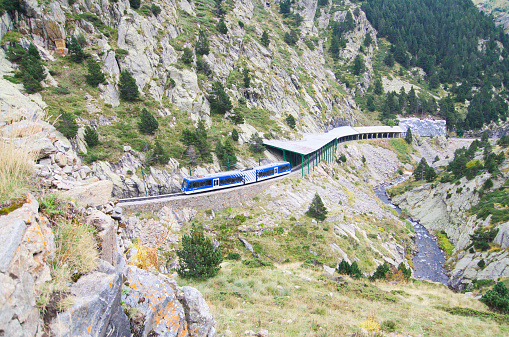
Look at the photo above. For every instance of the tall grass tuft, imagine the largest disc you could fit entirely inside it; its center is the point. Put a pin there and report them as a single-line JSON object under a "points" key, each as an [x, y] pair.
{"points": [[16, 166]]}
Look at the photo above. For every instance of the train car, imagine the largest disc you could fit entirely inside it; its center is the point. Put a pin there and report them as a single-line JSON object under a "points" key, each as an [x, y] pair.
{"points": [[221, 180], [211, 182], [272, 170]]}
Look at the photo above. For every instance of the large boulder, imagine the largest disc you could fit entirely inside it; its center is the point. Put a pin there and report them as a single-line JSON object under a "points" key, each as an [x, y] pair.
{"points": [[96, 310], [198, 316], [27, 243], [502, 237], [107, 233], [152, 303], [91, 195]]}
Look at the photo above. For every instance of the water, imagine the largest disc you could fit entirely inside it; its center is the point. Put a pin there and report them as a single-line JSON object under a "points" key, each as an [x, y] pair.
{"points": [[430, 259]]}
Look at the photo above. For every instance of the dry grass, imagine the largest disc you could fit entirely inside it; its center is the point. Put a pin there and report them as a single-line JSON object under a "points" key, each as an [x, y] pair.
{"points": [[16, 166], [75, 254], [291, 301]]}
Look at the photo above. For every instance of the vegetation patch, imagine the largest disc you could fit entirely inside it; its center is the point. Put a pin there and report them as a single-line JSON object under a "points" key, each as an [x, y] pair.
{"points": [[468, 312], [444, 243]]}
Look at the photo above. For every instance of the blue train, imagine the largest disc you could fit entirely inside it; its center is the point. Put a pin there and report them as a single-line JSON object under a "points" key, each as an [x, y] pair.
{"points": [[220, 180]]}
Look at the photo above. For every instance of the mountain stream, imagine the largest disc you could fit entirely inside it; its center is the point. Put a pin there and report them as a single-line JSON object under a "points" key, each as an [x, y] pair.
{"points": [[430, 259]]}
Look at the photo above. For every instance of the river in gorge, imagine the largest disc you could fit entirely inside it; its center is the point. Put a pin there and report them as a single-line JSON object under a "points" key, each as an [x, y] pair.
{"points": [[430, 259]]}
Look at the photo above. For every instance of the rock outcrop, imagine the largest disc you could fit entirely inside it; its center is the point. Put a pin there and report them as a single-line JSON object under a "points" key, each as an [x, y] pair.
{"points": [[424, 127]]}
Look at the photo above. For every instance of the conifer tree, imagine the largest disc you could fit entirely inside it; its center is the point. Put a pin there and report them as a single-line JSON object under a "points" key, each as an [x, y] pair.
{"points": [[256, 143], [317, 209], [358, 65], [380, 272], [33, 52], [290, 120], [219, 101], [408, 137], [247, 79], [77, 54], [198, 258], [158, 155], [235, 135], [67, 125], [31, 85], [128, 87], [420, 170], [95, 75], [202, 44], [265, 39], [135, 4], [221, 27], [148, 123], [91, 137], [187, 56]]}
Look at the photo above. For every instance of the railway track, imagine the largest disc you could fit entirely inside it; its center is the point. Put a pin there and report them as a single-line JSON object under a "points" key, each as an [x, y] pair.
{"points": [[182, 195]]}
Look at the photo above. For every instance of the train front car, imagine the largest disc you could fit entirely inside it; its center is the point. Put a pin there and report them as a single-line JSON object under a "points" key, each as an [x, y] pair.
{"points": [[212, 182], [272, 170]]}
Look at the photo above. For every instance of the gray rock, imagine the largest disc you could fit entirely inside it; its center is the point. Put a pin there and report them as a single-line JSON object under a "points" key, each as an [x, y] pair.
{"points": [[198, 316], [153, 297], [96, 308], [502, 238], [249, 247], [424, 127], [91, 195], [11, 233], [117, 213], [107, 232]]}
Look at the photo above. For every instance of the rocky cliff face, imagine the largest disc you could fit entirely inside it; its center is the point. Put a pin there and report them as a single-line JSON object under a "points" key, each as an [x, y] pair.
{"points": [[447, 207]]}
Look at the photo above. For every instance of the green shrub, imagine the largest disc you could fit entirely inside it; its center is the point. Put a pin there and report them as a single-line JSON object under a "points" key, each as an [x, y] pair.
{"points": [[341, 159], [233, 256], [497, 298], [135, 4], [187, 56], [156, 10], [221, 27], [444, 243], [157, 155], [290, 120], [481, 239], [235, 135], [219, 101], [60, 90], [256, 144], [75, 51], [257, 263], [198, 257]]}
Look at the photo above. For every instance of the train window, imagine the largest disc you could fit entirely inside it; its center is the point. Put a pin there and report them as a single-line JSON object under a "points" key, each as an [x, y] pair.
{"points": [[230, 180], [200, 183], [266, 173], [284, 168]]}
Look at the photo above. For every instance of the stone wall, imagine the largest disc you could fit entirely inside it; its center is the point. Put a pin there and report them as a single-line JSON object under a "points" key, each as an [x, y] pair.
{"points": [[424, 127], [218, 200]]}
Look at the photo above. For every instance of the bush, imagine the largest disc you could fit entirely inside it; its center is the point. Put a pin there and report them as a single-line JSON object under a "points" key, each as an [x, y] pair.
{"points": [[198, 257], [67, 125], [317, 209], [246, 78], [233, 256], [265, 39], [481, 238], [158, 155], [221, 27], [148, 123], [202, 44], [91, 137], [341, 159], [497, 298], [135, 4]]}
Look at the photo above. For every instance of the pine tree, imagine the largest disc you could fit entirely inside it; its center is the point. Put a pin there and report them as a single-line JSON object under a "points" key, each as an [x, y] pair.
{"points": [[77, 54], [380, 272], [198, 257], [91, 137], [95, 75], [219, 101], [221, 27], [290, 120], [31, 85], [187, 56], [148, 123], [202, 44], [247, 79], [317, 209], [409, 137], [135, 4], [235, 135], [370, 103], [358, 65], [256, 143], [33, 52], [368, 40], [430, 174], [158, 155], [378, 89], [128, 87], [67, 125], [265, 39], [420, 170]]}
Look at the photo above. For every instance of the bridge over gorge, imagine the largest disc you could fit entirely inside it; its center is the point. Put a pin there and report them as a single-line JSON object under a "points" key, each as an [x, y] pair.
{"points": [[314, 148]]}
